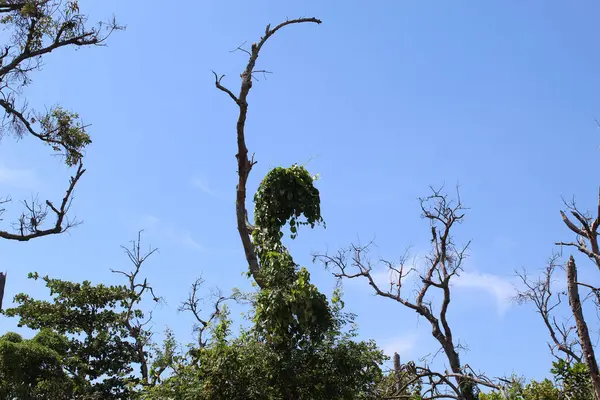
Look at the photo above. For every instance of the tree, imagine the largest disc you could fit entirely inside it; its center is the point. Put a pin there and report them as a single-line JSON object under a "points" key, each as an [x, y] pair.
{"points": [[245, 164], [292, 317], [296, 348], [33, 369], [133, 319], [579, 349], [99, 355], [564, 344], [33, 29], [443, 264], [586, 243], [571, 381], [247, 367], [101, 329]]}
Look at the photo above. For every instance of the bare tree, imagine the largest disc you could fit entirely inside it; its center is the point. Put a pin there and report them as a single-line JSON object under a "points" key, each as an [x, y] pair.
{"points": [[132, 318], [540, 293], [586, 230], [245, 163], [443, 264], [194, 305]]}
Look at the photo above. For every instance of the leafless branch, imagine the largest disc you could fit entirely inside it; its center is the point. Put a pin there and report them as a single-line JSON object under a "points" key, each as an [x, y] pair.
{"points": [[539, 292], [443, 263], [240, 48], [193, 304], [586, 231], [244, 163], [29, 224], [434, 385], [132, 319]]}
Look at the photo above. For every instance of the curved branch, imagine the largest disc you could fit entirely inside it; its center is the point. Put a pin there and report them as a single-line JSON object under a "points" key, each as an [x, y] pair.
{"points": [[28, 226], [245, 164]]}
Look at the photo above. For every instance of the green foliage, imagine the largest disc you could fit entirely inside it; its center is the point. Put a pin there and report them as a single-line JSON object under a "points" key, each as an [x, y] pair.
{"points": [[165, 357], [286, 194], [544, 390], [65, 133], [33, 369], [290, 310], [574, 379], [34, 29], [571, 381], [297, 347], [248, 368], [85, 323]]}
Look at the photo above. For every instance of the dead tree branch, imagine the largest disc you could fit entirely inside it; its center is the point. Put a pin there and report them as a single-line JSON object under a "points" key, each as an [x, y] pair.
{"points": [[36, 28], [245, 164], [29, 224], [443, 264], [587, 231], [436, 385], [2, 285], [540, 293], [582, 328], [193, 304], [133, 319]]}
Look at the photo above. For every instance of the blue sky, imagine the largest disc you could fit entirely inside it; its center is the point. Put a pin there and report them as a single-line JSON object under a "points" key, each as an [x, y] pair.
{"points": [[382, 100]]}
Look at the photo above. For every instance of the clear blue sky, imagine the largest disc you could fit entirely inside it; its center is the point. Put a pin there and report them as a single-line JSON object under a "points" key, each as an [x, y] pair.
{"points": [[383, 99]]}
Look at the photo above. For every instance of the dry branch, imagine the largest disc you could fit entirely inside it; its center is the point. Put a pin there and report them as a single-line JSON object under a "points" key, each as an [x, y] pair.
{"points": [[37, 28], [29, 224], [245, 164], [443, 264], [193, 304], [582, 328], [540, 293], [137, 289]]}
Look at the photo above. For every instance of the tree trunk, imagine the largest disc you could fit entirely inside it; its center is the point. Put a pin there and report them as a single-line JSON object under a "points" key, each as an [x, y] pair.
{"points": [[582, 328], [2, 284]]}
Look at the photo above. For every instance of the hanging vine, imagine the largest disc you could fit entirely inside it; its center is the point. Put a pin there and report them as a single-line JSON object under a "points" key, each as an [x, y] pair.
{"points": [[289, 307]]}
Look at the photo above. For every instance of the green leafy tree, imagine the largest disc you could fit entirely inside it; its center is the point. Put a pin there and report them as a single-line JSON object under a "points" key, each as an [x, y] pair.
{"points": [[298, 346], [247, 367], [33, 369], [98, 331], [99, 353], [573, 379]]}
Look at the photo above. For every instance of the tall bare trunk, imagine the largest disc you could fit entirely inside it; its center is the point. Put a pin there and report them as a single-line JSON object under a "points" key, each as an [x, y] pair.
{"points": [[582, 328], [2, 284]]}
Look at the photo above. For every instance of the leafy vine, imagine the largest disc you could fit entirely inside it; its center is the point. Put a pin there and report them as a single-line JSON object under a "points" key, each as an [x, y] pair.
{"points": [[289, 307]]}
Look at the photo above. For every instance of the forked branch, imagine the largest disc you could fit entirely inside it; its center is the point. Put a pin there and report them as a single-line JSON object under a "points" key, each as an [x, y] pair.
{"points": [[245, 163], [586, 230], [443, 263], [30, 223], [137, 289], [540, 293], [194, 305]]}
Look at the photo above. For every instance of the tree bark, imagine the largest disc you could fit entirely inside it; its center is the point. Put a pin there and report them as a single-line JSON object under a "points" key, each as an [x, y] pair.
{"points": [[2, 284], [245, 163], [582, 328]]}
